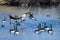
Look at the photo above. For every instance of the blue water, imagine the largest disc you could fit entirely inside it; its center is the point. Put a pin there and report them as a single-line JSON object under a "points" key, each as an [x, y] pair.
{"points": [[26, 29]]}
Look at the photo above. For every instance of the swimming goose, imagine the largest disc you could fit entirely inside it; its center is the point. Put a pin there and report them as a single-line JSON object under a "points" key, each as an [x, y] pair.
{"points": [[50, 30], [4, 20], [31, 16], [39, 30], [46, 27]]}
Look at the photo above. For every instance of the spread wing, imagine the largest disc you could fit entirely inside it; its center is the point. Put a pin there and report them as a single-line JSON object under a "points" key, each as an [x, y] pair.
{"points": [[15, 18]]}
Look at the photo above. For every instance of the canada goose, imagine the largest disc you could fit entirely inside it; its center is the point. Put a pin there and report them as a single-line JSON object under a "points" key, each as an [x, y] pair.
{"points": [[46, 27], [13, 18], [22, 17], [31, 16], [13, 30], [50, 30], [16, 32], [3, 21], [39, 29]]}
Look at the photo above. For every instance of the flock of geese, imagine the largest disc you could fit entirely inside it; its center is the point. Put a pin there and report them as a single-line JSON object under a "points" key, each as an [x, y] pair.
{"points": [[22, 18], [45, 28]]}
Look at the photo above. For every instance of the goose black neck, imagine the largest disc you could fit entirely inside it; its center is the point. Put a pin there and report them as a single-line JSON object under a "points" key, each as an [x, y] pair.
{"points": [[39, 26], [44, 24], [15, 27], [51, 27]]}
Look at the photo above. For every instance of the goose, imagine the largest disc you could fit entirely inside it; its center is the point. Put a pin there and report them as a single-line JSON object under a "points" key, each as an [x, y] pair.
{"points": [[50, 30], [13, 30], [31, 16], [4, 20], [13, 18], [22, 18], [46, 27], [16, 32], [39, 30]]}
